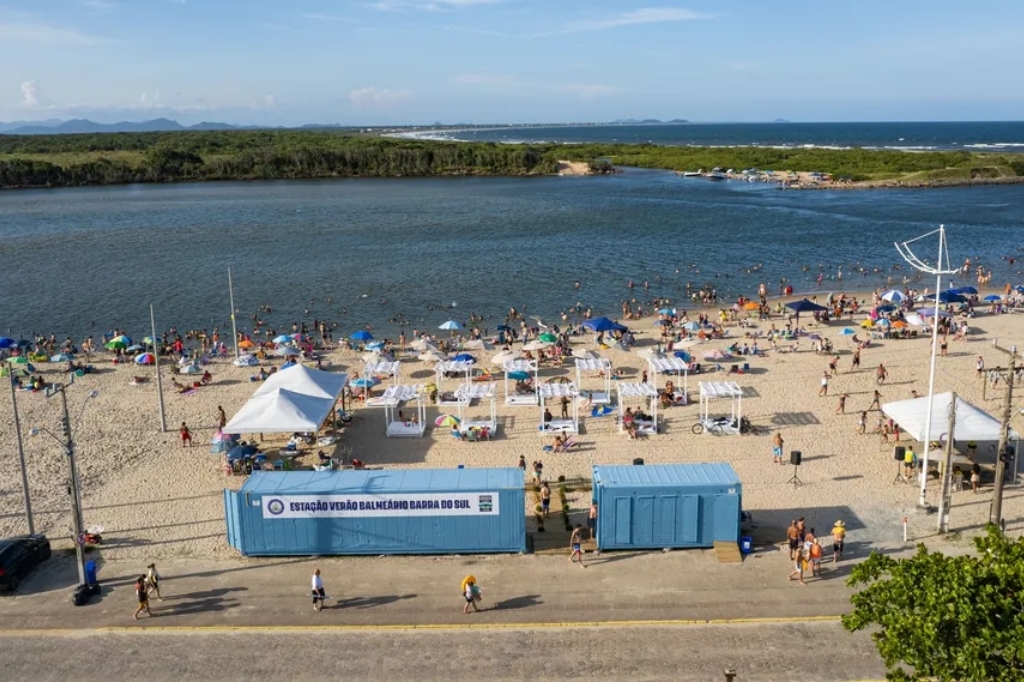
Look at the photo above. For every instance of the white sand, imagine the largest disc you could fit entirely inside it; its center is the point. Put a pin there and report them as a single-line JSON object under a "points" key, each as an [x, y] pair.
{"points": [[155, 498]]}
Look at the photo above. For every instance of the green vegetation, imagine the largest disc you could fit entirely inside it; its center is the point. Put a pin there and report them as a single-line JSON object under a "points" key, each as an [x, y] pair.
{"points": [[936, 617], [118, 158]]}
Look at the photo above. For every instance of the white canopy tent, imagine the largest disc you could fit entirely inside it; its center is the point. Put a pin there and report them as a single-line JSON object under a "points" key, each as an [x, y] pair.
{"points": [[480, 391], [972, 424], [670, 364], [557, 391], [711, 390], [281, 411], [406, 425], [305, 380], [446, 367], [596, 364], [645, 392], [528, 367]]}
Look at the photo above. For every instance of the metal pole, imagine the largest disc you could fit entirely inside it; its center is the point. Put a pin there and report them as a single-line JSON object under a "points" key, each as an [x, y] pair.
{"points": [[931, 373], [946, 498], [156, 365], [21, 457], [231, 297], [76, 491], [996, 511]]}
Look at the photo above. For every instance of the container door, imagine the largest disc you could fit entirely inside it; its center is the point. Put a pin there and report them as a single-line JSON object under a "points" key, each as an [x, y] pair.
{"points": [[231, 517], [689, 518], [643, 522], [727, 518], [665, 521], [623, 521]]}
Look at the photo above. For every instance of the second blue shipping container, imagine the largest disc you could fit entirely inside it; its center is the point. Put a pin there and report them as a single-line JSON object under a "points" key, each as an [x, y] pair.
{"points": [[667, 506], [402, 511]]}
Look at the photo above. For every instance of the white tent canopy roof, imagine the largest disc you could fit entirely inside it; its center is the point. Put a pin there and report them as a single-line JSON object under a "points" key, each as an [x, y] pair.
{"points": [[383, 367], [720, 389], [454, 366], [484, 390], [520, 365], [558, 390], [971, 422], [402, 392], [281, 411], [593, 364], [306, 381], [636, 390], [669, 363]]}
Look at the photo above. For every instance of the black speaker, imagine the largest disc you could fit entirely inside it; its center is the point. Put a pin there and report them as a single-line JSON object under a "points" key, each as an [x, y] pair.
{"points": [[795, 456], [898, 452], [638, 461]]}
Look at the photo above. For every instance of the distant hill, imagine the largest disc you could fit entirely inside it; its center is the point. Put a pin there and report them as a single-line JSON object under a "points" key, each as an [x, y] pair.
{"points": [[780, 120], [647, 121]]}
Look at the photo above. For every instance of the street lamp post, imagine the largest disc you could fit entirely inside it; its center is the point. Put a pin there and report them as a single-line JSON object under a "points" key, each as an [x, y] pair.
{"points": [[943, 259]]}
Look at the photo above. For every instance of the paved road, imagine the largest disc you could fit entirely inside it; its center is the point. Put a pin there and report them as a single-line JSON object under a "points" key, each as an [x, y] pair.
{"points": [[757, 652]]}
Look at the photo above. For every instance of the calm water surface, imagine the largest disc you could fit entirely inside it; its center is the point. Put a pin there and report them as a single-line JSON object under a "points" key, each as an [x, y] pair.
{"points": [[83, 260]]}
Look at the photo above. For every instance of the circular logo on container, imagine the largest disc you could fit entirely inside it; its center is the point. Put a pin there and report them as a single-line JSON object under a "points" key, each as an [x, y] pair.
{"points": [[275, 507]]}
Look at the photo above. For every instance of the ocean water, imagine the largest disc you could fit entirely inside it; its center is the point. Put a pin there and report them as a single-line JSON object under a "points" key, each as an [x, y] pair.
{"points": [[81, 261], [1006, 136]]}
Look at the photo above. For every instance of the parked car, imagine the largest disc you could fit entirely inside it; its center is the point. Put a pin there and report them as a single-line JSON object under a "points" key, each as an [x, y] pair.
{"points": [[18, 556]]}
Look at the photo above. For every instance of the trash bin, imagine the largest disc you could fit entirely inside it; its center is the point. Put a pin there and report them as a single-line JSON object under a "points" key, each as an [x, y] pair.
{"points": [[746, 545], [90, 573]]}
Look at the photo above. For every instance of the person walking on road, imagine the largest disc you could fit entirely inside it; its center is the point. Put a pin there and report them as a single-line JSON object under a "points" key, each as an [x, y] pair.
{"points": [[824, 385], [142, 596], [576, 543], [319, 596], [153, 581]]}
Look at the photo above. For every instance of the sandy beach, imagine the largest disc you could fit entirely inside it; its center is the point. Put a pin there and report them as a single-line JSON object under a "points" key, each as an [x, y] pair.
{"points": [[155, 498]]}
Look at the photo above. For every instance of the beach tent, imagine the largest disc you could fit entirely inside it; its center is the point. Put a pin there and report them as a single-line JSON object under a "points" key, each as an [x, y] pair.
{"points": [[603, 324], [646, 393], [972, 423], [805, 306], [281, 411], [399, 396], [894, 296], [596, 364], [670, 364], [466, 394], [712, 390], [526, 367], [445, 367], [306, 381], [556, 392]]}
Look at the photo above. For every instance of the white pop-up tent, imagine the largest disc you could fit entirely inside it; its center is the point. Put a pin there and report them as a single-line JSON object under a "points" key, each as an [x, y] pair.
{"points": [[466, 393], [281, 411], [304, 380], [670, 364], [642, 393], [557, 391], [528, 367], [413, 424], [448, 367], [712, 390], [601, 365], [972, 423]]}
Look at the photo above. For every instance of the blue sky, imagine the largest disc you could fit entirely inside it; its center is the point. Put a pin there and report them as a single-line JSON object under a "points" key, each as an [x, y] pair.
{"points": [[375, 62]]}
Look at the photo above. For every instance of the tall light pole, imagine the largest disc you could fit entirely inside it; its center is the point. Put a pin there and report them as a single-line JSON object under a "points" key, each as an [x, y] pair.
{"points": [[943, 260], [68, 444], [21, 455], [231, 297]]}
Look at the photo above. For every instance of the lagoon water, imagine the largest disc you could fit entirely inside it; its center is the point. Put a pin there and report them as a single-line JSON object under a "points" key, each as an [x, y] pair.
{"points": [[80, 261]]}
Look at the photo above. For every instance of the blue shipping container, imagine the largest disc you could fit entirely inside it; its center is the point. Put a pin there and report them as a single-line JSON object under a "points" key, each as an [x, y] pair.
{"points": [[402, 511], [670, 505]]}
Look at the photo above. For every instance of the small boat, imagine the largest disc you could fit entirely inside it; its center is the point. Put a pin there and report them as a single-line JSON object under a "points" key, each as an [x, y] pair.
{"points": [[717, 175], [692, 174]]}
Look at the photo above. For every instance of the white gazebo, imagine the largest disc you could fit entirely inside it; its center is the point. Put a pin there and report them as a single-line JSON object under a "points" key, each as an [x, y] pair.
{"points": [[557, 391], [527, 367], [711, 390], [447, 367], [390, 369], [601, 365], [479, 391], [408, 424], [646, 393], [670, 364]]}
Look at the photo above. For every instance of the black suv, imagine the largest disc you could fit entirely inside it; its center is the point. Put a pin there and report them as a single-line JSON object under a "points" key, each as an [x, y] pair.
{"points": [[18, 556]]}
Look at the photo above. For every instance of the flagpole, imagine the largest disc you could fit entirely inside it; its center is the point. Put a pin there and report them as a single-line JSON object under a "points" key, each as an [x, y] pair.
{"points": [[231, 296]]}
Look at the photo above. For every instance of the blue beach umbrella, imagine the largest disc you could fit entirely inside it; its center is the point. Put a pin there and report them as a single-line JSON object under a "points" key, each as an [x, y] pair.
{"points": [[361, 335], [62, 357], [666, 311], [683, 355], [450, 325], [603, 324], [7, 342], [992, 298], [930, 312], [691, 326], [965, 290], [283, 338], [134, 348], [883, 321], [847, 331], [885, 309], [894, 296], [366, 382], [518, 376], [464, 357], [374, 345], [1019, 288]]}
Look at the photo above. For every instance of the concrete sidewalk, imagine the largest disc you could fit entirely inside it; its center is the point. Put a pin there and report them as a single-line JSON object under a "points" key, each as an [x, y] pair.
{"points": [[380, 592]]}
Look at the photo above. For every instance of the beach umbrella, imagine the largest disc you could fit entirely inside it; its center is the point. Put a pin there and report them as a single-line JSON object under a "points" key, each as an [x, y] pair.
{"points": [[805, 306], [536, 345], [666, 311], [7, 342], [361, 335], [965, 290], [135, 348], [115, 345], [992, 298], [447, 420], [366, 382], [14, 370], [375, 345], [145, 359], [716, 355], [450, 325], [518, 376], [479, 344], [1019, 288], [148, 340], [464, 357], [246, 343], [431, 356], [423, 344], [283, 338], [18, 360], [885, 309], [691, 326], [847, 331], [548, 336], [899, 324], [62, 357], [883, 321], [930, 312], [894, 296], [751, 305], [915, 319], [501, 357], [683, 355], [122, 339], [867, 324]]}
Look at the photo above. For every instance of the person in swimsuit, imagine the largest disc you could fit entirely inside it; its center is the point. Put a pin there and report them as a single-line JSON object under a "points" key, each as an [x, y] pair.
{"points": [[777, 448], [793, 538], [576, 543], [838, 540]]}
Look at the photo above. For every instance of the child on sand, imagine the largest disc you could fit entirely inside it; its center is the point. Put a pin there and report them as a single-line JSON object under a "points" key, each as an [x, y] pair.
{"points": [[186, 435]]}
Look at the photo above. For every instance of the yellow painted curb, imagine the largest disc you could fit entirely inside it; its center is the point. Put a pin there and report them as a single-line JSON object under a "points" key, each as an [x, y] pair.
{"points": [[229, 629]]}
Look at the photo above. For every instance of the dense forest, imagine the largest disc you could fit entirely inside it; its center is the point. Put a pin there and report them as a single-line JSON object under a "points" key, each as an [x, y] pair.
{"points": [[120, 158]]}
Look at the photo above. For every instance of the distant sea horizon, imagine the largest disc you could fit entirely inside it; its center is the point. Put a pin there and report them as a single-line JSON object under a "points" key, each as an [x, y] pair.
{"points": [[972, 136]]}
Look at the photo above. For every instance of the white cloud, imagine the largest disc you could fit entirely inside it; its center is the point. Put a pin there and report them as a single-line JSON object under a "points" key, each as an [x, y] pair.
{"points": [[45, 35], [377, 98], [646, 15], [29, 94]]}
